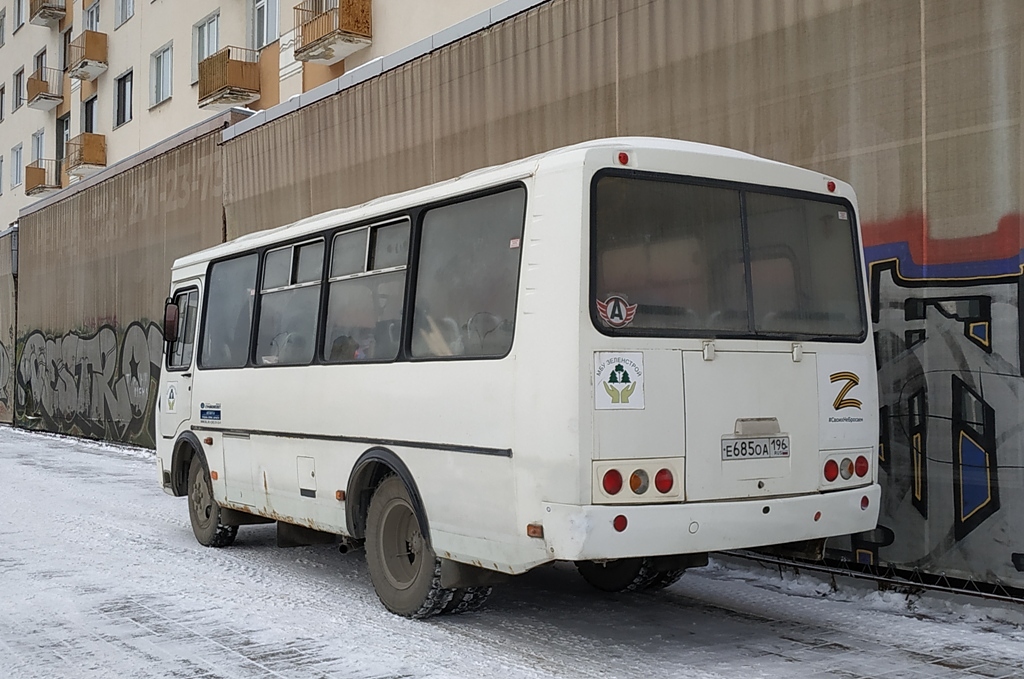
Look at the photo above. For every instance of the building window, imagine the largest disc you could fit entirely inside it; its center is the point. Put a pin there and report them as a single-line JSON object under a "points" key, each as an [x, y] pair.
{"points": [[1, 175], [160, 75], [38, 143], [264, 22], [65, 48], [18, 86], [3, 29], [63, 136], [19, 14], [39, 62], [91, 17], [3, 95], [89, 115], [16, 168], [123, 99], [123, 11], [205, 39]]}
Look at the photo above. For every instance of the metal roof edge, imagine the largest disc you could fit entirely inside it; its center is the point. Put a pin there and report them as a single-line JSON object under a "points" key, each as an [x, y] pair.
{"points": [[203, 128]]}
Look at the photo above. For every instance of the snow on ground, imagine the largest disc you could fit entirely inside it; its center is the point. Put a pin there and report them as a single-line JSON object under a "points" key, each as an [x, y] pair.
{"points": [[100, 576]]}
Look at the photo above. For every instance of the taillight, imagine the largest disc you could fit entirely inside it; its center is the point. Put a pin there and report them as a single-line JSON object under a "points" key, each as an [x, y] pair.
{"points": [[831, 471], [612, 481], [639, 482], [846, 468], [619, 523], [864, 502], [663, 481], [861, 466]]}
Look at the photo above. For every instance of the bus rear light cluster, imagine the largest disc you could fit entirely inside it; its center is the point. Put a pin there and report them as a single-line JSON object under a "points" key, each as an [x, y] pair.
{"points": [[846, 468], [638, 481]]}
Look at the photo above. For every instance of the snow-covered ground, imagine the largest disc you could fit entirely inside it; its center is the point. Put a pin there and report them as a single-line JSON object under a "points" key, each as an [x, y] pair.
{"points": [[100, 577]]}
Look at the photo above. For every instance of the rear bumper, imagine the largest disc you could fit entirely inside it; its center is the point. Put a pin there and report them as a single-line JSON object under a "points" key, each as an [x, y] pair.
{"points": [[574, 532]]}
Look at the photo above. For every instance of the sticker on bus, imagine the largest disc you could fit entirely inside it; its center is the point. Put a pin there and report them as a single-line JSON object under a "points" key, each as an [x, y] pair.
{"points": [[209, 413], [619, 380]]}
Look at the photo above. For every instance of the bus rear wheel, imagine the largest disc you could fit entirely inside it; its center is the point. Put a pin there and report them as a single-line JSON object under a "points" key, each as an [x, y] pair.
{"points": [[203, 510], [403, 568], [617, 575]]}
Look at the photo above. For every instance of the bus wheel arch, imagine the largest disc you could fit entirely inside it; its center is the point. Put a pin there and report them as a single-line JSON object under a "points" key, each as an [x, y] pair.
{"points": [[185, 448], [372, 467]]}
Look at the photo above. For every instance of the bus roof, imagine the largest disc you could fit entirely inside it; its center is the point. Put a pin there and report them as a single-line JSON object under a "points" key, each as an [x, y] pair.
{"points": [[468, 182]]}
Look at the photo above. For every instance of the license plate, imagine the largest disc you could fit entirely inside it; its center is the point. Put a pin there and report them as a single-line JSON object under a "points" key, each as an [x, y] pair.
{"points": [[755, 448]]}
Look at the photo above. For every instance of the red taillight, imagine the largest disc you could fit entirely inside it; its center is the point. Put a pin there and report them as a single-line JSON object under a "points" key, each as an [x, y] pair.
{"points": [[831, 470], [623, 158], [831, 186], [861, 466], [663, 481], [612, 481], [864, 502], [619, 523]]}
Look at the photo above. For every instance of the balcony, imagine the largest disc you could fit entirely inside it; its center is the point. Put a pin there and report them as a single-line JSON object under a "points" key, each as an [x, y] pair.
{"points": [[46, 12], [87, 55], [46, 89], [86, 155], [42, 177], [230, 77], [327, 31]]}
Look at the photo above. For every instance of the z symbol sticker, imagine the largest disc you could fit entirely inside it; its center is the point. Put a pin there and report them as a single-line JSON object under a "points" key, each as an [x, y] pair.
{"points": [[616, 312], [852, 381]]}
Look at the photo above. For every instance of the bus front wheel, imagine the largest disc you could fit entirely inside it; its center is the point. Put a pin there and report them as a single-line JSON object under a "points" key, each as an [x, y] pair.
{"points": [[403, 568], [203, 510]]}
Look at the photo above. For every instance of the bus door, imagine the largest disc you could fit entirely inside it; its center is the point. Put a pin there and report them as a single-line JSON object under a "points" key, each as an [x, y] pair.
{"points": [[751, 424], [176, 396]]}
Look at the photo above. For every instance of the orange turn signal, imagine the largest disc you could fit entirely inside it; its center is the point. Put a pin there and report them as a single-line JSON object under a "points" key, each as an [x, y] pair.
{"points": [[339, 495], [213, 475], [534, 530]]}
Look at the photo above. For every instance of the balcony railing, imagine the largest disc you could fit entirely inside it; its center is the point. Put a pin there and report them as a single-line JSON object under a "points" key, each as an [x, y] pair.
{"points": [[230, 77], [87, 55], [327, 31], [46, 12], [86, 154], [41, 177], [45, 89]]}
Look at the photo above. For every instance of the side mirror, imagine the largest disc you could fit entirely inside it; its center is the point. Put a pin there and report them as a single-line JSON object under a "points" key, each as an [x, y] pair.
{"points": [[170, 321]]}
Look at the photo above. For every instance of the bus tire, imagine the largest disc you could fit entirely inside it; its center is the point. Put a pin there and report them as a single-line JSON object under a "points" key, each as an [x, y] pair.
{"points": [[663, 579], [203, 510], [618, 575], [405, 572], [468, 600]]}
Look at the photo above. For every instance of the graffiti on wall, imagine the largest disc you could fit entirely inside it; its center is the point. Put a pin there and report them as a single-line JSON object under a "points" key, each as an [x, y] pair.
{"points": [[5, 378], [948, 334], [101, 385]]}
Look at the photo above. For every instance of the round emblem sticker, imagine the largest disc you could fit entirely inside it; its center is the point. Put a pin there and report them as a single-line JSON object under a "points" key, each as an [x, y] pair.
{"points": [[616, 311]]}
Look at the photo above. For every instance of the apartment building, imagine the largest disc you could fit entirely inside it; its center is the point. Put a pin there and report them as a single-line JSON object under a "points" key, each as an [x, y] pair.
{"points": [[86, 83]]}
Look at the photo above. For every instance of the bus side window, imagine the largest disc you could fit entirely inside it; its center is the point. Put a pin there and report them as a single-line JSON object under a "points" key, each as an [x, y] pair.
{"points": [[289, 304], [179, 355], [367, 289], [228, 313], [467, 278]]}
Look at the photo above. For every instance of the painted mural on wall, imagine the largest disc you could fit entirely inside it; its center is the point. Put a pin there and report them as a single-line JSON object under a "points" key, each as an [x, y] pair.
{"points": [[6, 397], [101, 385], [948, 332]]}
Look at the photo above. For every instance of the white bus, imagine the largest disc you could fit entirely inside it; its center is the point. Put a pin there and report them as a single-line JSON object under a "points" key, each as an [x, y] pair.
{"points": [[625, 353]]}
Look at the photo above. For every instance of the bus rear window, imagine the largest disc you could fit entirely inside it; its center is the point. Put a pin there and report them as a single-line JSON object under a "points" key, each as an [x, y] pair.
{"points": [[673, 259]]}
